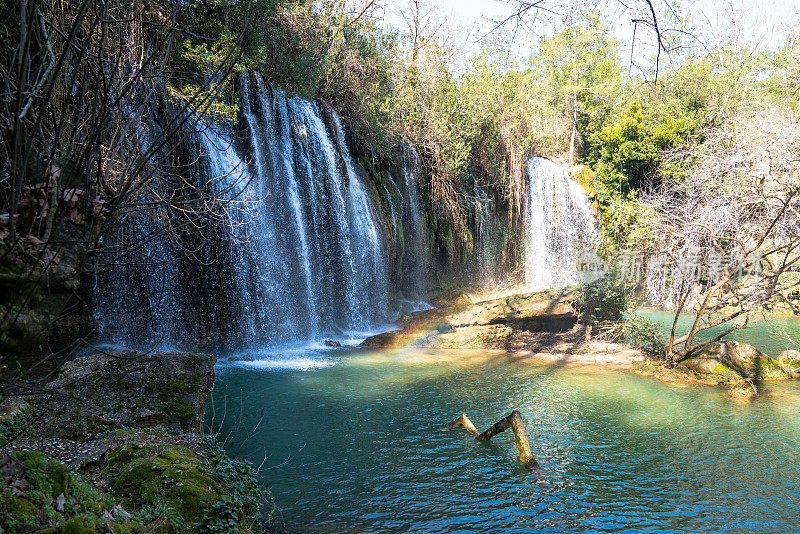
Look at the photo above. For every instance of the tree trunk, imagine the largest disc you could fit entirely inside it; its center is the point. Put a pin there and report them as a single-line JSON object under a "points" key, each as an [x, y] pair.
{"points": [[513, 421], [464, 421]]}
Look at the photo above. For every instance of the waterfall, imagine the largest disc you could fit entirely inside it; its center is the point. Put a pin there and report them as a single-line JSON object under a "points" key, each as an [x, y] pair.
{"points": [[561, 228], [415, 234], [298, 254]]}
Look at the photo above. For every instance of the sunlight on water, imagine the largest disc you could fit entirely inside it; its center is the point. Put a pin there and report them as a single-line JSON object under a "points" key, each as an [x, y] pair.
{"points": [[356, 446], [301, 364]]}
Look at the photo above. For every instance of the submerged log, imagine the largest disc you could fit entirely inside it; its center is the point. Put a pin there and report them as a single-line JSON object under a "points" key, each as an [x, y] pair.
{"points": [[514, 422]]}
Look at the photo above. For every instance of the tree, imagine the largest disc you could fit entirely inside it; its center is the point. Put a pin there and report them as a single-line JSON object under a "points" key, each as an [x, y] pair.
{"points": [[525, 12], [726, 240], [96, 103], [581, 66]]}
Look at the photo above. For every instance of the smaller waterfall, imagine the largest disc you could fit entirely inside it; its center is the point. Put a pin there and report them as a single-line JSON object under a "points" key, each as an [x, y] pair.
{"points": [[416, 237], [561, 228]]}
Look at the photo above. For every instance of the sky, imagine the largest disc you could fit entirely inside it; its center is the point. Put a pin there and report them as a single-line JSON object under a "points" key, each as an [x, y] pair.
{"points": [[765, 23]]}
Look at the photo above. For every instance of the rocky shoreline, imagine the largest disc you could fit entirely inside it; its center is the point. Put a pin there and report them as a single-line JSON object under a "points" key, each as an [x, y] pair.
{"points": [[116, 444], [546, 325]]}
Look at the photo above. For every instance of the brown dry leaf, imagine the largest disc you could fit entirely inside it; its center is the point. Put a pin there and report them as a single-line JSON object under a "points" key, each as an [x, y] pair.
{"points": [[75, 216], [30, 241], [72, 195]]}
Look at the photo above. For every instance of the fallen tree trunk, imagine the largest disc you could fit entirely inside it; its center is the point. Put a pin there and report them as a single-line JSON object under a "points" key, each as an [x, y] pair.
{"points": [[513, 421]]}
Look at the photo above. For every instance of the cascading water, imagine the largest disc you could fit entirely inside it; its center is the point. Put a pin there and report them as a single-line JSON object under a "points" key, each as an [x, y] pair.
{"points": [[560, 228], [415, 232], [300, 255]]}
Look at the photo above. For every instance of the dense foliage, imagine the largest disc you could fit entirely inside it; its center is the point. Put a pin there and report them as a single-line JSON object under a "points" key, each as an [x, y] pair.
{"points": [[605, 299], [572, 97]]}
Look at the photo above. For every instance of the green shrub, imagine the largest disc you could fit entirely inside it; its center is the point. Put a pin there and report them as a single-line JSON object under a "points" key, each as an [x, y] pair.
{"points": [[12, 427], [637, 332], [604, 300]]}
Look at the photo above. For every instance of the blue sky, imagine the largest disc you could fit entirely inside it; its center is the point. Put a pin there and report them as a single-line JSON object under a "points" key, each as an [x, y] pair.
{"points": [[763, 23]]}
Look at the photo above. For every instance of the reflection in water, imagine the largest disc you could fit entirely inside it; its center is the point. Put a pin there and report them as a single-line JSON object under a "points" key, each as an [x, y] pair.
{"points": [[618, 451]]}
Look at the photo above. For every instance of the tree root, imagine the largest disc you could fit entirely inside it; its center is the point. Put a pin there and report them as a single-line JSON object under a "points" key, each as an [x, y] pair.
{"points": [[513, 421]]}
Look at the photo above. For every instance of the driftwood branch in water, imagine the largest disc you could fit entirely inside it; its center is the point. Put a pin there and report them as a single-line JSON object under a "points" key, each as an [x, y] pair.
{"points": [[464, 421], [513, 421]]}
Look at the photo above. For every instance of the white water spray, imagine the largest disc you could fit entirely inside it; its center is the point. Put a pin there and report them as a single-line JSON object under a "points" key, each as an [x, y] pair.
{"points": [[560, 228]]}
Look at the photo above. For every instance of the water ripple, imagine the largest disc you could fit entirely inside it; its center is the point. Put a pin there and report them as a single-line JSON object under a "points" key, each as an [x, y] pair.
{"points": [[619, 453]]}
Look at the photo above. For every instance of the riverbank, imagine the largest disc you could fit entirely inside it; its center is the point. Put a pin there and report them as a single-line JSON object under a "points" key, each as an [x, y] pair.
{"points": [[116, 444]]}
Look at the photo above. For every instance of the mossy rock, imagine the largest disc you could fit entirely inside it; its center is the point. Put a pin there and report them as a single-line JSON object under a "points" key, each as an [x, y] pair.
{"points": [[18, 511], [177, 409], [131, 527], [82, 524], [126, 389], [125, 455], [175, 478], [48, 475], [732, 361], [177, 386], [95, 507]]}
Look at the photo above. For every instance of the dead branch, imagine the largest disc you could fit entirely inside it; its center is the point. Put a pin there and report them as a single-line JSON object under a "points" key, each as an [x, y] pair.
{"points": [[514, 422]]}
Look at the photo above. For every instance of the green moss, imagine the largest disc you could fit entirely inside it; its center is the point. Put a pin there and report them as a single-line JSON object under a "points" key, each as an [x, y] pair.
{"points": [[95, 507], [131, 527], [82, 524], [178, 408], [46, 475], [31, 459], [177, 386], [163, 526], [721, 369], [18, 509], [125, 454], [169, 489], [176, 478], [179, 454]]}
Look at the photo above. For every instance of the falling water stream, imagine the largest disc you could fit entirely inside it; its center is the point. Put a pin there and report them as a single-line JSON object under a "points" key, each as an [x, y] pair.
{"points": [[560, 227], [301, 256]]}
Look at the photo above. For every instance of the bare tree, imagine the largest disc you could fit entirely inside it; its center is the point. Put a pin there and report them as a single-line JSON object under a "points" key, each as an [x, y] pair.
{"points": [[726, 241], [643, 14], [91, 119]]}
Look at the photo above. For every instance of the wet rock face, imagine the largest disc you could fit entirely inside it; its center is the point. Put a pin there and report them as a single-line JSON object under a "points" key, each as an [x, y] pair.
{"points": [[126, 389], [732, 361]]}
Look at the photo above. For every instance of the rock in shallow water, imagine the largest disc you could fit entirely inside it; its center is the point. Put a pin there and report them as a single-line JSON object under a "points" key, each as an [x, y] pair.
{"points": [[732, 361], [125, 389], [790, 359], [488, 324]]}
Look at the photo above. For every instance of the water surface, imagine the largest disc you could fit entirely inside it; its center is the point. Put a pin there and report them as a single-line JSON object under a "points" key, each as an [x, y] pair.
{"points": [[770, 334], [352, 444]]}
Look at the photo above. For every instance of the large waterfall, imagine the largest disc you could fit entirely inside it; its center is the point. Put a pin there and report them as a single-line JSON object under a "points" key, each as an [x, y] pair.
{"points": [[561, 228], [298, 255]]}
